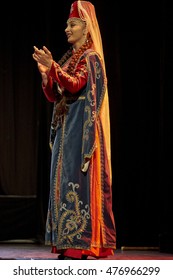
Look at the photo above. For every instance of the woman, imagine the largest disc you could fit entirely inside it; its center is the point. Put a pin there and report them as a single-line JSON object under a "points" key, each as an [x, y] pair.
{"points": [[80, 220]]}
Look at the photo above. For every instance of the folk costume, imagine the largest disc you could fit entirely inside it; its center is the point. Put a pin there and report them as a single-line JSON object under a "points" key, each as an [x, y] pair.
{"points": [[80, 220]]}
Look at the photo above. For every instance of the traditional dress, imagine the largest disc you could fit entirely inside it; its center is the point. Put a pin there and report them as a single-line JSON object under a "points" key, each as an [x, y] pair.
{"points": [[80, 213]]}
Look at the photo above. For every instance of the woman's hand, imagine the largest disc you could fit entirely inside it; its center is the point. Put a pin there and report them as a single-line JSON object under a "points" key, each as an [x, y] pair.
{"points": [[44, 59]]}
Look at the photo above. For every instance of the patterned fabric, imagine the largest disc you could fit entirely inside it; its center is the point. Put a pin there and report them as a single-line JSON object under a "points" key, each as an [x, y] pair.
{"points": [[80, 204]]}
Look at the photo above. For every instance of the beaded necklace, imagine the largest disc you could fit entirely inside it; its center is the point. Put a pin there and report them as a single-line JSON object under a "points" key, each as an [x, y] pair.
{"points": [[61, 107]]}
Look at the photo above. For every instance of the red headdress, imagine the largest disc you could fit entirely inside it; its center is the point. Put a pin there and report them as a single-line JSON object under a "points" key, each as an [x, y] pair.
{"points": [[74, 13]]}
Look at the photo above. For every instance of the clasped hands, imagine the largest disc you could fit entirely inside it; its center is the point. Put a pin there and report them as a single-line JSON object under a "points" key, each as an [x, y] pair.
{"points": [[43, 57]]}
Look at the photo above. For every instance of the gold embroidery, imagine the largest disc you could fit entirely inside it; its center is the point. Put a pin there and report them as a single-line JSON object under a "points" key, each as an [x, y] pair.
{"points": [[72, 223]]}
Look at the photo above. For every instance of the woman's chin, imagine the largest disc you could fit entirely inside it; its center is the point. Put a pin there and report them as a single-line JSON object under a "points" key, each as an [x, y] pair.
{"points": [[70, 41]]}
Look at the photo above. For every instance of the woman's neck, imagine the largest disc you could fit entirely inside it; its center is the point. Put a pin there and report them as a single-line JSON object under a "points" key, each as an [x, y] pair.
{"points": [[78, 44]]}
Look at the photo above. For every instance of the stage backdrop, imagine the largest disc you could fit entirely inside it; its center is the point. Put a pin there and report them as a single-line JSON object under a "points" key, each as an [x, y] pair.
{"points": [[140, 108]]}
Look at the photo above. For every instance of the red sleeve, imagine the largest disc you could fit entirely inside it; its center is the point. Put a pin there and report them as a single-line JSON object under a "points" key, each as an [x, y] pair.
{"points": [[71, 83], [48, 90]]}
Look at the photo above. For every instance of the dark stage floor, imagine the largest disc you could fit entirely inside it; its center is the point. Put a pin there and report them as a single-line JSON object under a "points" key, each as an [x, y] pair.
{"points": [[29, 250]]}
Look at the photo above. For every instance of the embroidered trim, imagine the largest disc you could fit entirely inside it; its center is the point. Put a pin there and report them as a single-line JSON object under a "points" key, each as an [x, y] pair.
{"points": [[72, 223]]}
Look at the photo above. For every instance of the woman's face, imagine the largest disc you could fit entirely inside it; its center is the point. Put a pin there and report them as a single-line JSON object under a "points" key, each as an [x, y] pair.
{"points": [[76, 32]]}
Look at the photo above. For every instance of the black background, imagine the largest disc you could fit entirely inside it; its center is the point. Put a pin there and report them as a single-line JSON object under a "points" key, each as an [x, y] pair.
{"points": [[137, 41]]}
